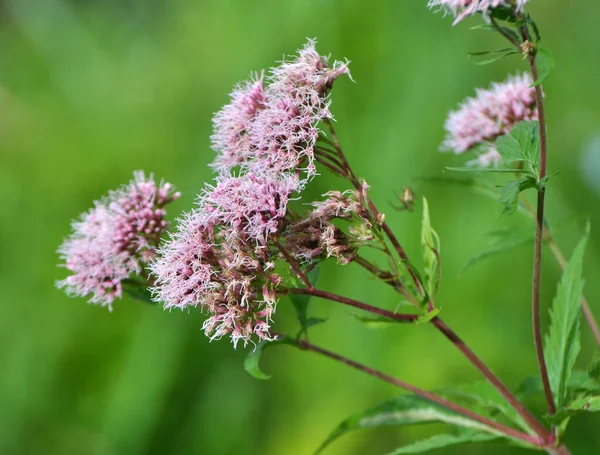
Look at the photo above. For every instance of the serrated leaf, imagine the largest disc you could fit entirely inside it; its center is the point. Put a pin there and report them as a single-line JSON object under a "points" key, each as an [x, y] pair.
{"points": [[579, 382], [482, 398], [504, 240], [594, 367], [301, 301], [252, 360], [430, 242], [138, 290], [545, 65], [586, 403], [509, 196], [562, 344], [444, 440], [404, 410], [521, 144]]}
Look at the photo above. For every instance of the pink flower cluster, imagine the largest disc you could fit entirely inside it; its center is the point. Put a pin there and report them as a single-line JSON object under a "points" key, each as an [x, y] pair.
{"points": [[274, 127], [463, 8], [115, 239], [316, 237], [231, 280], [222, 257], [492, 113]]}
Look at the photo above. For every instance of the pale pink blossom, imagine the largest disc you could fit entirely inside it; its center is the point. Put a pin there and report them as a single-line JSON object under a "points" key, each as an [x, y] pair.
{"points": [[493, 112], [463, 8], [115, 239], [249, 207], [229, 279], [232, 123], [275, 127]]}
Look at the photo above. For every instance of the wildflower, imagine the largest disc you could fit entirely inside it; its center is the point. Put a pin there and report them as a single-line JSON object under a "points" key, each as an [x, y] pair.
{"points": [[115, 239], [222, 257], [463, 8], [315, 237], [231, 280], [275, 127], [493, 112], [232, 123], [249, 207]]}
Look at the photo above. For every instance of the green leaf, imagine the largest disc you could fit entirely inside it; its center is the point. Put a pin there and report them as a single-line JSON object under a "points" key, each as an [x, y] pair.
{"points": [[481, 397], [579, 382], [428, 316], [545, 65], [252, 360], [444, 440], [534, 27], [404, 410], [504, 13], [501, 54], [521, 144], [138, 290], [491, 28], [589, 403], [488, 27], [488, 170], [301, 301], [376, 321], [503, 240], [594, 367], [509, 197], [562, 342], [430, 243], [585, 403]]}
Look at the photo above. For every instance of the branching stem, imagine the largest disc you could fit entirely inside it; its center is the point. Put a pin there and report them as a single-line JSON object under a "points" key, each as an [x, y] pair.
{"points": [[491, 424], [539, 231]]}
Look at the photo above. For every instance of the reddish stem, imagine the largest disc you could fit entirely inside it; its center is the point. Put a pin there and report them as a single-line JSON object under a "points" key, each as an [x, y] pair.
{"points": [[401, 317], [498, 427]]}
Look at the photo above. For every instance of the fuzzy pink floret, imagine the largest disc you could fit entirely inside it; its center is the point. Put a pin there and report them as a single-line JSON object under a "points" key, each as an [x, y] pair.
{"points": [[276, 126], [491, 113], [463, 8], [249, 207], [232, 124], [115, 239], [231, 281]]}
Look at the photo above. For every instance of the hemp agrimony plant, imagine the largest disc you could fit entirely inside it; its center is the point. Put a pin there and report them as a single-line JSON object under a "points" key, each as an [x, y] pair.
{"points": [[251, 240]]}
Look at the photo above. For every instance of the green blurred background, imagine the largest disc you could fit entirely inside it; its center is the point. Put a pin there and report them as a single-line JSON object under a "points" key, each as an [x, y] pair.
{"points": [[92, 90]]}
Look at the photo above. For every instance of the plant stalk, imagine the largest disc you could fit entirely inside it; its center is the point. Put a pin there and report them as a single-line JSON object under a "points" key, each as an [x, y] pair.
{"points": [[400, 317], [525, 414], [562, 262], [491, 424], [454, 339], [539, 232]]}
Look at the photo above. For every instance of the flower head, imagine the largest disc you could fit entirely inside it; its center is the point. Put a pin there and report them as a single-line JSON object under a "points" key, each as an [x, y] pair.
{"points": [[232, 124], [231, 280], [463, 8], [491, 113], [249, 207], [275, 127], [115, 239], [222, 257]]}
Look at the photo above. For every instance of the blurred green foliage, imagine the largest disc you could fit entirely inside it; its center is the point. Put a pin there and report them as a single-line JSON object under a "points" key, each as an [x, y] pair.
{"points": [[92, 90]]}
